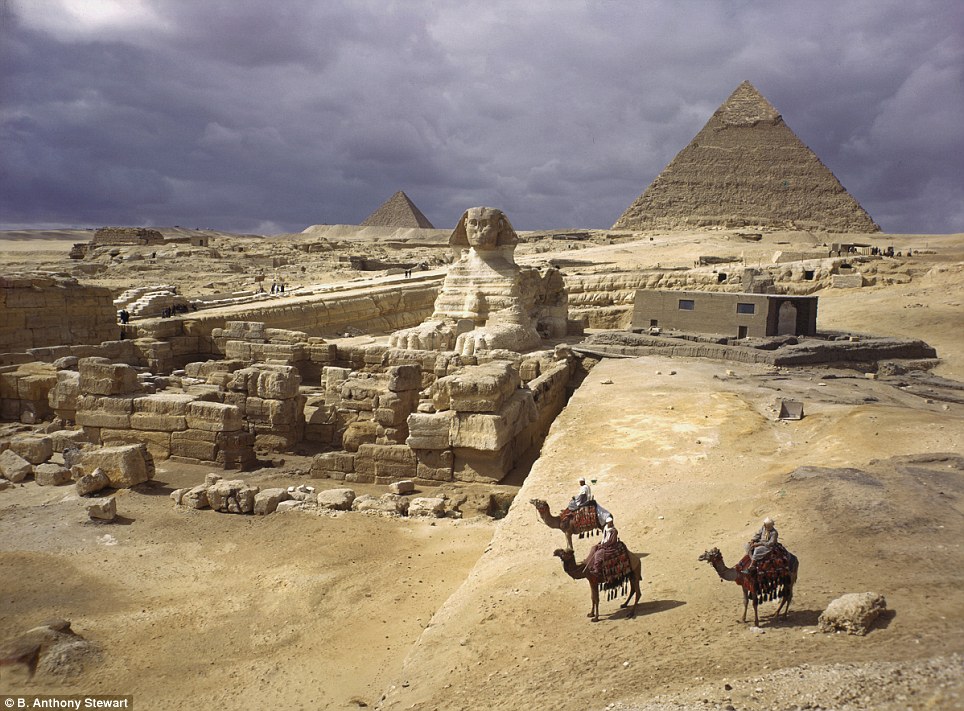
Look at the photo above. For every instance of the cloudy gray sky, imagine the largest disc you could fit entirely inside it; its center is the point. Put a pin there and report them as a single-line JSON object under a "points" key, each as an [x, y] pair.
{"points": [[248, 115]]}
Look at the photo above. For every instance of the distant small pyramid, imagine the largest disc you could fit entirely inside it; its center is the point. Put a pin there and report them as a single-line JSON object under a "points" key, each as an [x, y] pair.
{"points": [[397, 211], [746, 168]]}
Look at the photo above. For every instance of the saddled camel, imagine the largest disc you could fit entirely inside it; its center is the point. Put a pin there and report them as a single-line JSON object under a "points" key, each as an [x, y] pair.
{"points": [[577, 571], [758, 588], [566, 526]]}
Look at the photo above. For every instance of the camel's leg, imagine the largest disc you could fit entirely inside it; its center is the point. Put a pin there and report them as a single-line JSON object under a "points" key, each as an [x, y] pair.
{"points": [[569, 540], [633, 591], [756, 616], [746, 604], [595, 603]]}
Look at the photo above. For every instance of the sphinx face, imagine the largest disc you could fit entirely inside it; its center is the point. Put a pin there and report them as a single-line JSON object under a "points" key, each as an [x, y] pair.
{"points": [[483, 226]]}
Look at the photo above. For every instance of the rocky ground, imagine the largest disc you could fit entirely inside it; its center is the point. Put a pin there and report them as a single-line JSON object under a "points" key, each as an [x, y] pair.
{"points": [[312, 611]]}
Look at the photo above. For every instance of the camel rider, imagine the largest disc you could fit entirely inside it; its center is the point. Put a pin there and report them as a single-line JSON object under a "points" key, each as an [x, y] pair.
{"points": [[610, 534], [762, 543], [583, 498]]}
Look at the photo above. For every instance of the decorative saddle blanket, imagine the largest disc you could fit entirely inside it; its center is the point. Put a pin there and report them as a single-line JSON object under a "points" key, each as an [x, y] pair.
{"points": [[772, 577], [610, 563], [582, 520]]}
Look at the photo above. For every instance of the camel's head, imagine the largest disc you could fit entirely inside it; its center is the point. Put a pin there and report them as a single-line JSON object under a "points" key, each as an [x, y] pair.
{"points": [[564, 554], [710, 555], [539, 504]]}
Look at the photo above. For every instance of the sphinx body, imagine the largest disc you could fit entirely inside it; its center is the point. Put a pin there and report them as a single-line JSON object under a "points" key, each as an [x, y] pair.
{"points": [[487, 302]]}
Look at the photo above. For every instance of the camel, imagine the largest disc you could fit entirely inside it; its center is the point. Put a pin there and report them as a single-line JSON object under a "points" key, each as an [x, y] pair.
{"points": [[577, 571], [556, 522], [749, 583]]}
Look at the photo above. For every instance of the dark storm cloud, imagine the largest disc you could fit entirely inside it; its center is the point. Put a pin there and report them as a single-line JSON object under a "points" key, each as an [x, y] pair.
{"points": [[253, 116]]}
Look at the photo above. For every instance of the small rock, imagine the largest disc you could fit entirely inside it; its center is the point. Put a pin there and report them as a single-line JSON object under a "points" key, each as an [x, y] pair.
{"points": [[93, 482], [757, 630], [406, 486], [102, 509], [607, 381], [266, 502], [177, 495], [212, 479], [337, 499]]}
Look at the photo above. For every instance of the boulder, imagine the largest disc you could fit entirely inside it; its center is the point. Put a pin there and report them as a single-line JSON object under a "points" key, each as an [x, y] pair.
{"points": [[266, 502], [359, 433], [125, 466], [386, 503], [289, 505], [92, 483], [853, 613], [431, 507], [233, 496], [36, 449], [51, 475], [195, 497], [336, 499], [13, 467], [102, 509]]}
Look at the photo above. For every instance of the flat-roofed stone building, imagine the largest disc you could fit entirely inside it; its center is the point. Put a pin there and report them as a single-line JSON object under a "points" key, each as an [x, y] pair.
{"points": [[728, 314]]}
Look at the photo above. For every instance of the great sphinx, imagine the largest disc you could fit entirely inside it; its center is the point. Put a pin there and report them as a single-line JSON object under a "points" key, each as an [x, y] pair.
{"points": [[487, 301]]}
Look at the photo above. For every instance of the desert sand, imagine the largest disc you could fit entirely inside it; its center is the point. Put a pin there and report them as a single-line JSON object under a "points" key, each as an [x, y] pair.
{"points": [[193, 608]]}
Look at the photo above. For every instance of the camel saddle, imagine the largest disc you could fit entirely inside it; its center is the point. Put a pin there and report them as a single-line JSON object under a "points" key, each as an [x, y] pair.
{"points": [[611, 565], [772, 575], [582, 520]]}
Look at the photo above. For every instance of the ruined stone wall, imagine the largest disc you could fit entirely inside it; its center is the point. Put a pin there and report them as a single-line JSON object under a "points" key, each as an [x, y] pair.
{"points": [[379, 310], [51, 310]]}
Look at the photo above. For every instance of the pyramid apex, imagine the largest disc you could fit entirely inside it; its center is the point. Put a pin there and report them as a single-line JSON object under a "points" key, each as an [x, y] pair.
{"points": [[746, 106], [397, 211]]}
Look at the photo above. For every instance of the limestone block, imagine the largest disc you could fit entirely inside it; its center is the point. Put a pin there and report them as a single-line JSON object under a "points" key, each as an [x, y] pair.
{"points": [[404, 377], [196, 497], [359, 478], [13, 467], [266, 501], [387, 504], [267, 381], [333, 377], [36, 449], [66, 392], [193, 448], [66, 439], [158, 423], [392, 408], [847, 281], [493, 432], [98, 376], [276, 413], [92, 483], [853, 613], [36, 387], [333, 461], [336, 499], [102, 509], [163, 404], [98, 418], [358, 433], [214, 417], [51, 475], [482, 466], [322, 352], [157, 443], [232, 496], [430, 430], [481, 388], [204, 369], [290, 505], [405, 486], [125, 465], [434, 464], [430, 507]]}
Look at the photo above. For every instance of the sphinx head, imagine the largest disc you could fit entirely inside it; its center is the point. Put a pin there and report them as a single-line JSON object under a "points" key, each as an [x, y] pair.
{"points": [[483, 228]]}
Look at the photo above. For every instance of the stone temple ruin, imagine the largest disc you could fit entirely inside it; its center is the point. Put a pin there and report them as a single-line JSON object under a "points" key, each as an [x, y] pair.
{"points": [[460, 397]]}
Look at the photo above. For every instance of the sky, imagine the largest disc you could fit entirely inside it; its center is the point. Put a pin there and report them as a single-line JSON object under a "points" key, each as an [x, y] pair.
{"points": [[268, 117]]}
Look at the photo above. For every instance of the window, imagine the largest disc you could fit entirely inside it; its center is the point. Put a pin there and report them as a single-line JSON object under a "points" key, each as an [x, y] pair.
{"points": [[746, 308], [686, 305]]}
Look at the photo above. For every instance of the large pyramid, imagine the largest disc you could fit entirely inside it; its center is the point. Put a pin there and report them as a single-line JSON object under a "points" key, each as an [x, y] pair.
{"points": [[397, 211], [746, 168]]}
